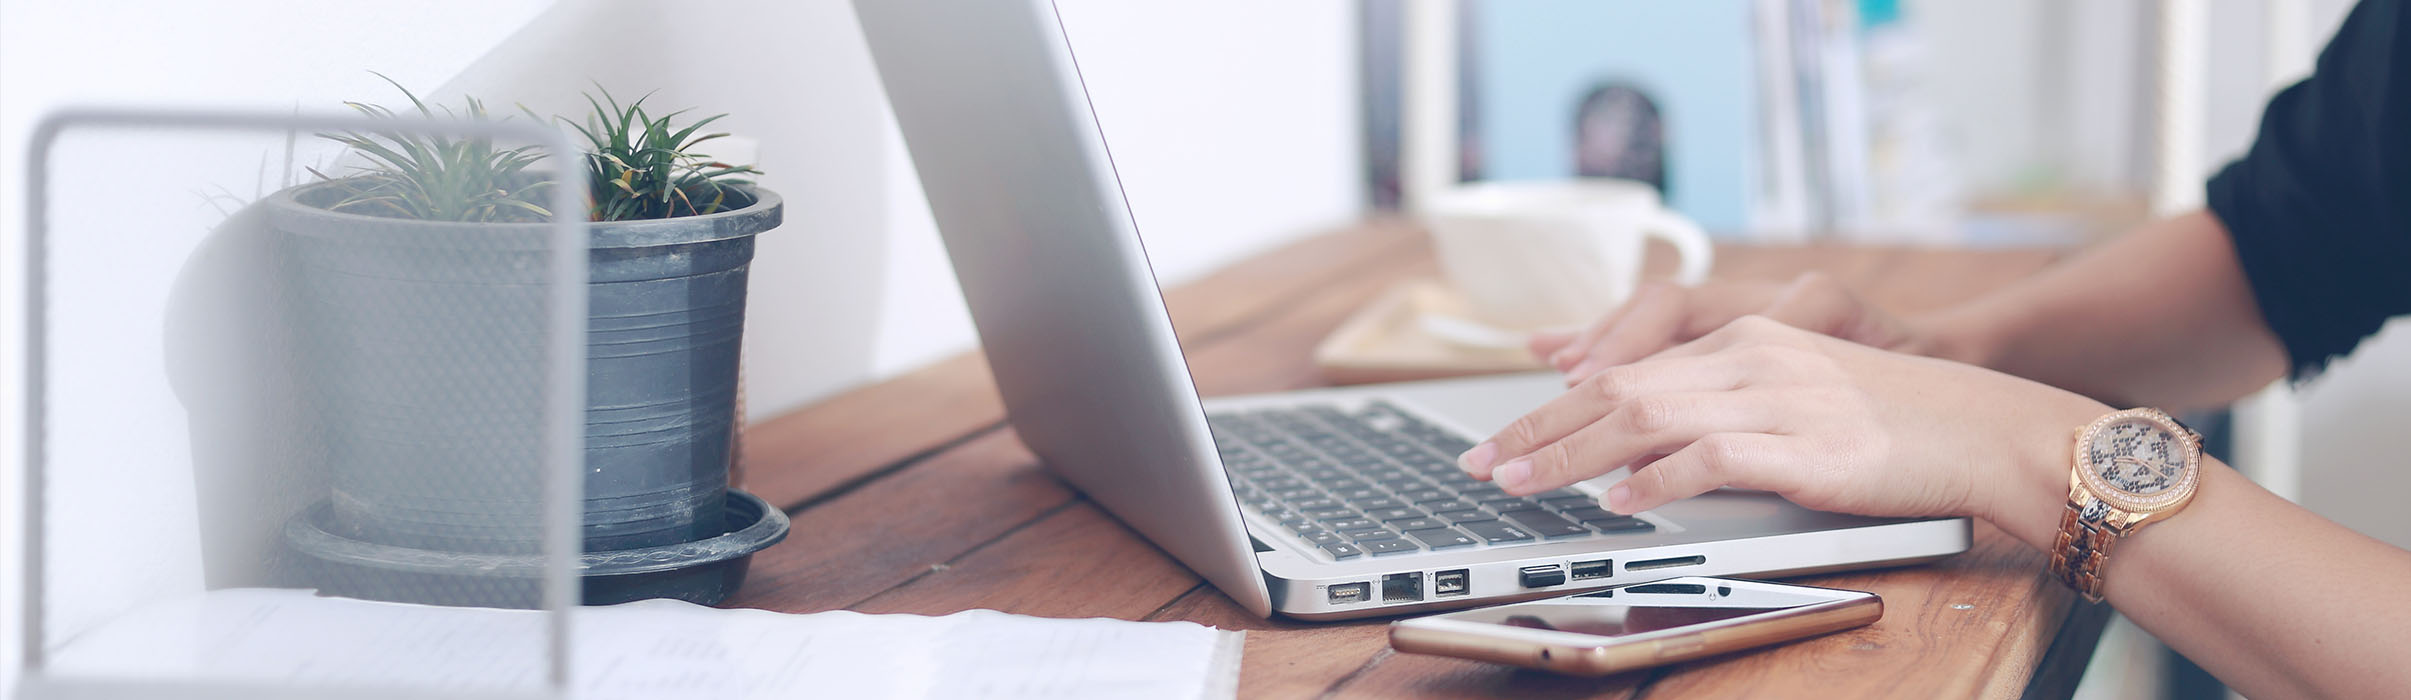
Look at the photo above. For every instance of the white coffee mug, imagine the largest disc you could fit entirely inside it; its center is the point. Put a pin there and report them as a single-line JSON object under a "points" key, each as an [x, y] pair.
{"points": [[1532, 255]]}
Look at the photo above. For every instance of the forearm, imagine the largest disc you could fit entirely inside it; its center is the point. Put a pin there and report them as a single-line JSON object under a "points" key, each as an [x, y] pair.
{"points": [[2162, 316], [2273, 599]]}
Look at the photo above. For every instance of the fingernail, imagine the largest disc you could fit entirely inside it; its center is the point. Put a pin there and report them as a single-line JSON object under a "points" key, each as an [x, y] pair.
{"points": [[1618, 497], [1477, 460], [1513, 474]]}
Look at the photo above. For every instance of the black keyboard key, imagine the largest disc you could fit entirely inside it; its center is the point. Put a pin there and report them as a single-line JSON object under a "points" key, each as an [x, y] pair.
{"points": [[1456, 479], [1350, 524], [1343, 483], [1342, 550], [1561, 495], [1444, 506], [1466, 516], [1340, 513], [1482, 492], [1548, 526], [1509, 504], [1376, 503], [1359, 494], [1588, 513], [1441, 538], [1448, 444], [1302, 527], [1322, 537], [1427, 496], [1296, 494], [1281, 483], [1623, 526], [1417, 523], [1360, 537], [1401, 482], [1496, 532], [1389, 514], [1389, 546], [1314, 504]]}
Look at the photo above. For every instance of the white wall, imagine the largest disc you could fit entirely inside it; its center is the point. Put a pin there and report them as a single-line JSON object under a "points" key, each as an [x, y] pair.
{"points": [[262, 54], [2057, 92], [1234, 126]]}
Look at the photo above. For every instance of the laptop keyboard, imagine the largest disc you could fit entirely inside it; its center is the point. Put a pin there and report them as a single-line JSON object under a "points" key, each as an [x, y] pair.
{"points": [[1381, 482]]}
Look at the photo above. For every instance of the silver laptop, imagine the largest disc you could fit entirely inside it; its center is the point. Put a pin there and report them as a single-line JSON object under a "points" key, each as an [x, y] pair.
{"points": [[1324, 504]]}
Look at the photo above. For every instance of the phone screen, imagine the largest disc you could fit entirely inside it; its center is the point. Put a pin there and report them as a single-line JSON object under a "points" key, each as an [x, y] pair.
{"points": [[1638, 609]]}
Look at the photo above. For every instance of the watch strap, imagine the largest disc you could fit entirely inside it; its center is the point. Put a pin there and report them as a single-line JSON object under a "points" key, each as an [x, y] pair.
{"points": [[2082, 548]]}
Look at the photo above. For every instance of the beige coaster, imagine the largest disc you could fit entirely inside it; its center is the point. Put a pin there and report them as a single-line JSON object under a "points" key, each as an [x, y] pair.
{"points": [[1389, 341]]}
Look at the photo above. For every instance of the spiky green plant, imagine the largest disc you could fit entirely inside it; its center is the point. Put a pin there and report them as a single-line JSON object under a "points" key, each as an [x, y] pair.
{"points": [[430, 176], [644, 167]]}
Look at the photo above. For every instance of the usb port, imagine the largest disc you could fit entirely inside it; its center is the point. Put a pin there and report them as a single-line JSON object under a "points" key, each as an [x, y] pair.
{"points": [[1542, 576], [1402, 588], [1448, 583], [1593, 569], [1351, 593]]}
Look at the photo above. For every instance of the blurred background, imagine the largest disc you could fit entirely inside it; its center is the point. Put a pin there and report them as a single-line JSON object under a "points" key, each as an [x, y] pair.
{"points": [[1240, 125]]}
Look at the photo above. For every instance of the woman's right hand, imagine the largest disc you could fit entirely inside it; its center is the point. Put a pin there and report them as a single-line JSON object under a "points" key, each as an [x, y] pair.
{"points": [[1662, 315]]}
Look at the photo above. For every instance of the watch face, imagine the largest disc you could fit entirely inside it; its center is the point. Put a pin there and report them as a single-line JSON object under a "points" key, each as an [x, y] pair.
{"points": [[2138, 459]]}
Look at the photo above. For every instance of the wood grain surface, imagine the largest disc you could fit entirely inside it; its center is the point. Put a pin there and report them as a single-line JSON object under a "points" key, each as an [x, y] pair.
{"points": [[913, 495]]}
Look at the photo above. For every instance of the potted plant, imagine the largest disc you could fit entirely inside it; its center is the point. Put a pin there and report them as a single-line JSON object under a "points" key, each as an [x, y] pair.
{"points": [[418, 275]]}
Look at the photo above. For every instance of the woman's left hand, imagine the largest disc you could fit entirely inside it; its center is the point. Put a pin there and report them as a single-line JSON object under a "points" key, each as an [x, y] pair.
{"points": [[1827, 423]]}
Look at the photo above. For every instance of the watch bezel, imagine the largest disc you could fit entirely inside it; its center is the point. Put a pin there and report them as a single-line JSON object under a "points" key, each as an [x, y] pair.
{"points": [[2173, 498]]}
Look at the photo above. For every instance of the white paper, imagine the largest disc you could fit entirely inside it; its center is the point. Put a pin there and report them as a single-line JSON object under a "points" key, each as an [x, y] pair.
{"points": [[653, 649]]}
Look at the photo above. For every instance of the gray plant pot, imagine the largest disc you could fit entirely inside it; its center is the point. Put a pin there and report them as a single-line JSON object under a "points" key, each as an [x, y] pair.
{"points": [[421, 347]]}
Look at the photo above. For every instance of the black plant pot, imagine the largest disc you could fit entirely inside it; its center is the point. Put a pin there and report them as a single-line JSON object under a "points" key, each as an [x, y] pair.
{"points": [[421, 345]]}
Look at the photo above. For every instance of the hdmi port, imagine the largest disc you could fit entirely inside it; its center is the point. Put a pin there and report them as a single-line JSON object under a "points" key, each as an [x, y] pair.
{"points": [[1667, 563]]}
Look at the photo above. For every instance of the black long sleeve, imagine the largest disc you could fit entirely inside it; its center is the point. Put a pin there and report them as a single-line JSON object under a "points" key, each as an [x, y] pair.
{"points": [[2319, 210]]}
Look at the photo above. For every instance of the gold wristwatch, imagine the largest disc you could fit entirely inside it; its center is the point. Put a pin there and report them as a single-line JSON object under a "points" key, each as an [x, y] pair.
{"points": [[2133, 468]]}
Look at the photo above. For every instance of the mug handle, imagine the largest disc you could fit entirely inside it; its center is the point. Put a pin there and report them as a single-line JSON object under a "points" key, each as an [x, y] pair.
{"points": [[1690, 244]]}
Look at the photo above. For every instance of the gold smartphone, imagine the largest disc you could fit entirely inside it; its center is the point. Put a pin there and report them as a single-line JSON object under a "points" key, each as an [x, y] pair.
{"points": [[1619, 629]]}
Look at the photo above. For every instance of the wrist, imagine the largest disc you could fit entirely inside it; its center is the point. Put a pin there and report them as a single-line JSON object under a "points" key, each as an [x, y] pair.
{"points": [[2027, 499]]}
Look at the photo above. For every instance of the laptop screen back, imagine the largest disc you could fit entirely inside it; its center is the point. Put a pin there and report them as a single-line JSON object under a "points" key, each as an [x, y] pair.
{"points": [[1023, 191]]}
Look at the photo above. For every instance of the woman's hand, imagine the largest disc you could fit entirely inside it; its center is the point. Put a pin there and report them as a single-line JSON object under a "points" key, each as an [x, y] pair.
{"points": [[1827, 423], [1662, 315]]}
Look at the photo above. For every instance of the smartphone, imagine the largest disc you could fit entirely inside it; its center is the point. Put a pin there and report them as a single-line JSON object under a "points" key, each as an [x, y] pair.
{"points": [[1619, 629]]}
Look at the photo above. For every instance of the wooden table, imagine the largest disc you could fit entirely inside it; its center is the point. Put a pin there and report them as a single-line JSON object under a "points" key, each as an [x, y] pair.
{"points": [[913, 496]]}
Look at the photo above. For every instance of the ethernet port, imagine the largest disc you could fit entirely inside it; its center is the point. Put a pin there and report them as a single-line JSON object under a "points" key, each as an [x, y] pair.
{"points": [[1402, 588], [1351, 593], [1449, 583], [1593, 569]]}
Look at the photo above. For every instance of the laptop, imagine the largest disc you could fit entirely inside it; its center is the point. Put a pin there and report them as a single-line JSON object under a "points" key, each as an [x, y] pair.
{"points": [[1319, 505]]}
